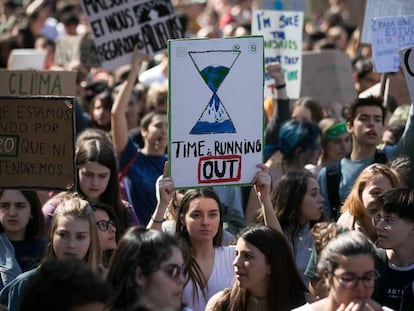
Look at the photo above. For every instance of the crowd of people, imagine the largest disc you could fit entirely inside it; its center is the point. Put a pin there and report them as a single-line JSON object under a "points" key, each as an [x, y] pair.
{"points": [[327, 224]]}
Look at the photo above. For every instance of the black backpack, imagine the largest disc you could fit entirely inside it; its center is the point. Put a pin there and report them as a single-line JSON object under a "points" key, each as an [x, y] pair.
{"points": [[333, 176]]}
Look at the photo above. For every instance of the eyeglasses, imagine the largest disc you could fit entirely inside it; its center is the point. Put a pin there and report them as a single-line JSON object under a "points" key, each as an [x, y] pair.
{"points": [[175, 271], [388, 222], [103, 225], [350, 281]]}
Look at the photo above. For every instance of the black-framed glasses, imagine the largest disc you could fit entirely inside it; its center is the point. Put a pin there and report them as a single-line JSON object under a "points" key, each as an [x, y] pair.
{"points": [[103, 225], [350, 281], [174, 271]]}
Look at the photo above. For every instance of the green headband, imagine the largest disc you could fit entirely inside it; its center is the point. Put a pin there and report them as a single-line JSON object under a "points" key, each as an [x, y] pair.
{"points": [[335, 131]]}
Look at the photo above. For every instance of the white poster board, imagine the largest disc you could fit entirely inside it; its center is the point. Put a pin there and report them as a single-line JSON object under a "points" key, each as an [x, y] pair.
{"points": [[215, 110], [382, 8], [282, 32], [117, 28], [389, 34], [23, 59], [407, 64]]}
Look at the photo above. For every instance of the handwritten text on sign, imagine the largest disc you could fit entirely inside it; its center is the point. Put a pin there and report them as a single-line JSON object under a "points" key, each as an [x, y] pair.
{"points": [[118, 26], [36, 143], [407, 64], [282, 32], [389, 34], [218, 140]]}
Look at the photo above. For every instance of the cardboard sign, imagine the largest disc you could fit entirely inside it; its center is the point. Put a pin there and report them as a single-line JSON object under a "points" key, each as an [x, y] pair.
{"points": [[72, 48], [389, 34], [118, 26], [215, 110], [396, 87], [37, 143], [381, 8], [407, 64], [327, 77], [282, 32], [28, 83], [23, 59]]}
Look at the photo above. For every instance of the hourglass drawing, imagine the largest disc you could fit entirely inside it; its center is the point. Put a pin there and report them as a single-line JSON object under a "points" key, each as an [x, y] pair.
{"points": [[215, 118]]}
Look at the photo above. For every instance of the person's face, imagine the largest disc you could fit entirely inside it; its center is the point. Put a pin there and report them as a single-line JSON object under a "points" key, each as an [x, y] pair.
{"points": [[377, 185], [360, 266], [202, 219], [312, 203], [167, 280], [71, 238], [106, 230], [338, 147], [93, 179], [392, 231], [367, 125], [157, 131], [388, 138], [15, 213], [133, 111], [251, 268], [100, 114], [301, 113]]}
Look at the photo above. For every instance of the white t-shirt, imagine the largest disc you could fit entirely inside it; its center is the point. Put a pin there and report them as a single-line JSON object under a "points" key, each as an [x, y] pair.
{"points": [[221, 277]]}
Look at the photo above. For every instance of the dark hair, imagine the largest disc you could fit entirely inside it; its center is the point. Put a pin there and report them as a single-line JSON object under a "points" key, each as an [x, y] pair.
{"points": [[195, 272], [63, 285], [147, 119], [374, 101], [286, 289], [101, 150], [312, 105], [287, 199], [107, 101], [36, 225], [296, 134], [346, 244], [398, 201], [142, 248]]}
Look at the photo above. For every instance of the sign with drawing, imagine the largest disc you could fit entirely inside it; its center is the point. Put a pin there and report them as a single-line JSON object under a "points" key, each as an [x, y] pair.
{"points": [[215, 110], [118, 26], [282, 32], [407, 64]]}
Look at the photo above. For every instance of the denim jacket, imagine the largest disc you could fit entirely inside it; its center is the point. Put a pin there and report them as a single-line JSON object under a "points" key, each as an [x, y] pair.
{"points": [[9, 267]]}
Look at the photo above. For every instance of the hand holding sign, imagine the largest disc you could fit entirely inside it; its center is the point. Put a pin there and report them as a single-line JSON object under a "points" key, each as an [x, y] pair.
{"points": [[165, 187]]}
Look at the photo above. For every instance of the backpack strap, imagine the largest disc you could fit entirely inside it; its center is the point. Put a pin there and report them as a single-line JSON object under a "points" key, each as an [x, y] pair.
{"points": [[333, 171], [380, 156]]}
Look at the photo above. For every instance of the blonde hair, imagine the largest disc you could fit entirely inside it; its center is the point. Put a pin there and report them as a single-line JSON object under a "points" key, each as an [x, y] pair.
{"points": [[73, 205]]}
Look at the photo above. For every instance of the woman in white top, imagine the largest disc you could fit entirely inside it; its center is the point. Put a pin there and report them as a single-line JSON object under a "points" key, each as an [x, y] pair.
{"points": [[347, 265], [200, 225]]}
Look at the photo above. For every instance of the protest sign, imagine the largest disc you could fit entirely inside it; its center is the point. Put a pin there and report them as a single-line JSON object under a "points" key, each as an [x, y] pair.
{"points": [[118, 26], [407, 64], [82, 48], [215, 110], [282, 5], [282, 32], [381, 8], [396, 87], [37, 142], [26, 59], [389, 34], [327, 77], [28, 83]]}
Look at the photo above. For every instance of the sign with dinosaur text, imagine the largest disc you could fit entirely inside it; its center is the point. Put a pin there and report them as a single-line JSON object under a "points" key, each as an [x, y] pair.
{"points": [[118, 26], [215, 110]]}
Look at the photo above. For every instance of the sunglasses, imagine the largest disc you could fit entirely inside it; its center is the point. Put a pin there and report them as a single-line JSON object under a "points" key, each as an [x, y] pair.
{"points": [[174, 271], [103, 225]]}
